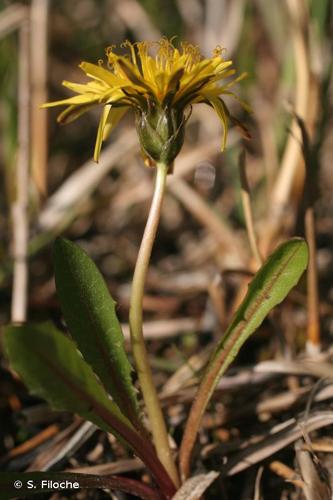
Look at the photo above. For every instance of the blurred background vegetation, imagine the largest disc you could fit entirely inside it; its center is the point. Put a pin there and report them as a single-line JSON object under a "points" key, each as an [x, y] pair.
{"points": [[50, 185]]}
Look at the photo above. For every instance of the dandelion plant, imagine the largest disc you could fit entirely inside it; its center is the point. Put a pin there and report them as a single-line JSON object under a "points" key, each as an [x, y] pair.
{"points": [[160, 89], [160, 82]]}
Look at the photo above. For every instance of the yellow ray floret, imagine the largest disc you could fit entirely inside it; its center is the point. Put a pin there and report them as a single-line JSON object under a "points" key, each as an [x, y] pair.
{"points": [[154, 77]]}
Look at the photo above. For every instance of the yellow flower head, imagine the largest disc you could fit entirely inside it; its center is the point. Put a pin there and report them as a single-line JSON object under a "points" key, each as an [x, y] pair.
{"points": [[157, 80]]}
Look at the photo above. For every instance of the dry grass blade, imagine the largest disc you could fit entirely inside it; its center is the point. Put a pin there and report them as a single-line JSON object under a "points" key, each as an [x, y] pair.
{"points": [[316, 485], [82, 183], [63, 445], [257, 485], [208, 218], [286, 473], [160, 329], [317, 368], [118, 467], [32, 443], [133, 15], [185, 373], [246, 202], [194, 488], [276, 440]]}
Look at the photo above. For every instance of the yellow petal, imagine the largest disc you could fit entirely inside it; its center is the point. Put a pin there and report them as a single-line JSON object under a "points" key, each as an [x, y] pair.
{"points": [[238, 79], [173, 84], [113, 119], [244, 104], [130, 73], [192, 79], [109, 119], [149, 68], [73, 112], [77, 99], [221, 112], [94, 87], [101, 74]]}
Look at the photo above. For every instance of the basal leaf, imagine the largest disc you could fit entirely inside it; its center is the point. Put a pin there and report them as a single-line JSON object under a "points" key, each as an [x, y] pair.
{"points": [[271, 284], [89, 311], [53, 369]]}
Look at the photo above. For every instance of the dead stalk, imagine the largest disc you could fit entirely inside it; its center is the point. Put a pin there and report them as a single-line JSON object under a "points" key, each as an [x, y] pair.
{"points": [[19, 209], [311, 181], [246, 202], [291, 160], [313, 325], [12, 18], [217, 296], [38, 19], [282, 470]]}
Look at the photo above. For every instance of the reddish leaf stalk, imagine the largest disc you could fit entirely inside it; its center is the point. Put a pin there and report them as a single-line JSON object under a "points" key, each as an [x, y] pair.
{"points": [[141, 447]]}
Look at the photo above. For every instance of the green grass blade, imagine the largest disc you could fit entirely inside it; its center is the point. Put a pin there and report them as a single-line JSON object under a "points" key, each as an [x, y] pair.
{"points": [[90, 314], [271, 284]]}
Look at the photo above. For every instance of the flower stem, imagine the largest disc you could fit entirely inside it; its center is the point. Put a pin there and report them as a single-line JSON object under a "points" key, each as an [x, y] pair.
{"points": [[155, 415]]}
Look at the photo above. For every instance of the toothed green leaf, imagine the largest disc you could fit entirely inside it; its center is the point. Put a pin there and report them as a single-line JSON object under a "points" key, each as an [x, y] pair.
{"points": [[90, 313], [53, 369]]}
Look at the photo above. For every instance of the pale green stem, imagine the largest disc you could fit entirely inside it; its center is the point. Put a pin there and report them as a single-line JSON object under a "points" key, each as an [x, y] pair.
{"points": [[155, 415]]}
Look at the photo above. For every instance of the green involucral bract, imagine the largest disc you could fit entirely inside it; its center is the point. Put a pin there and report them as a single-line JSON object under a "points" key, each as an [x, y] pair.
{"points": [[161, 132]]}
